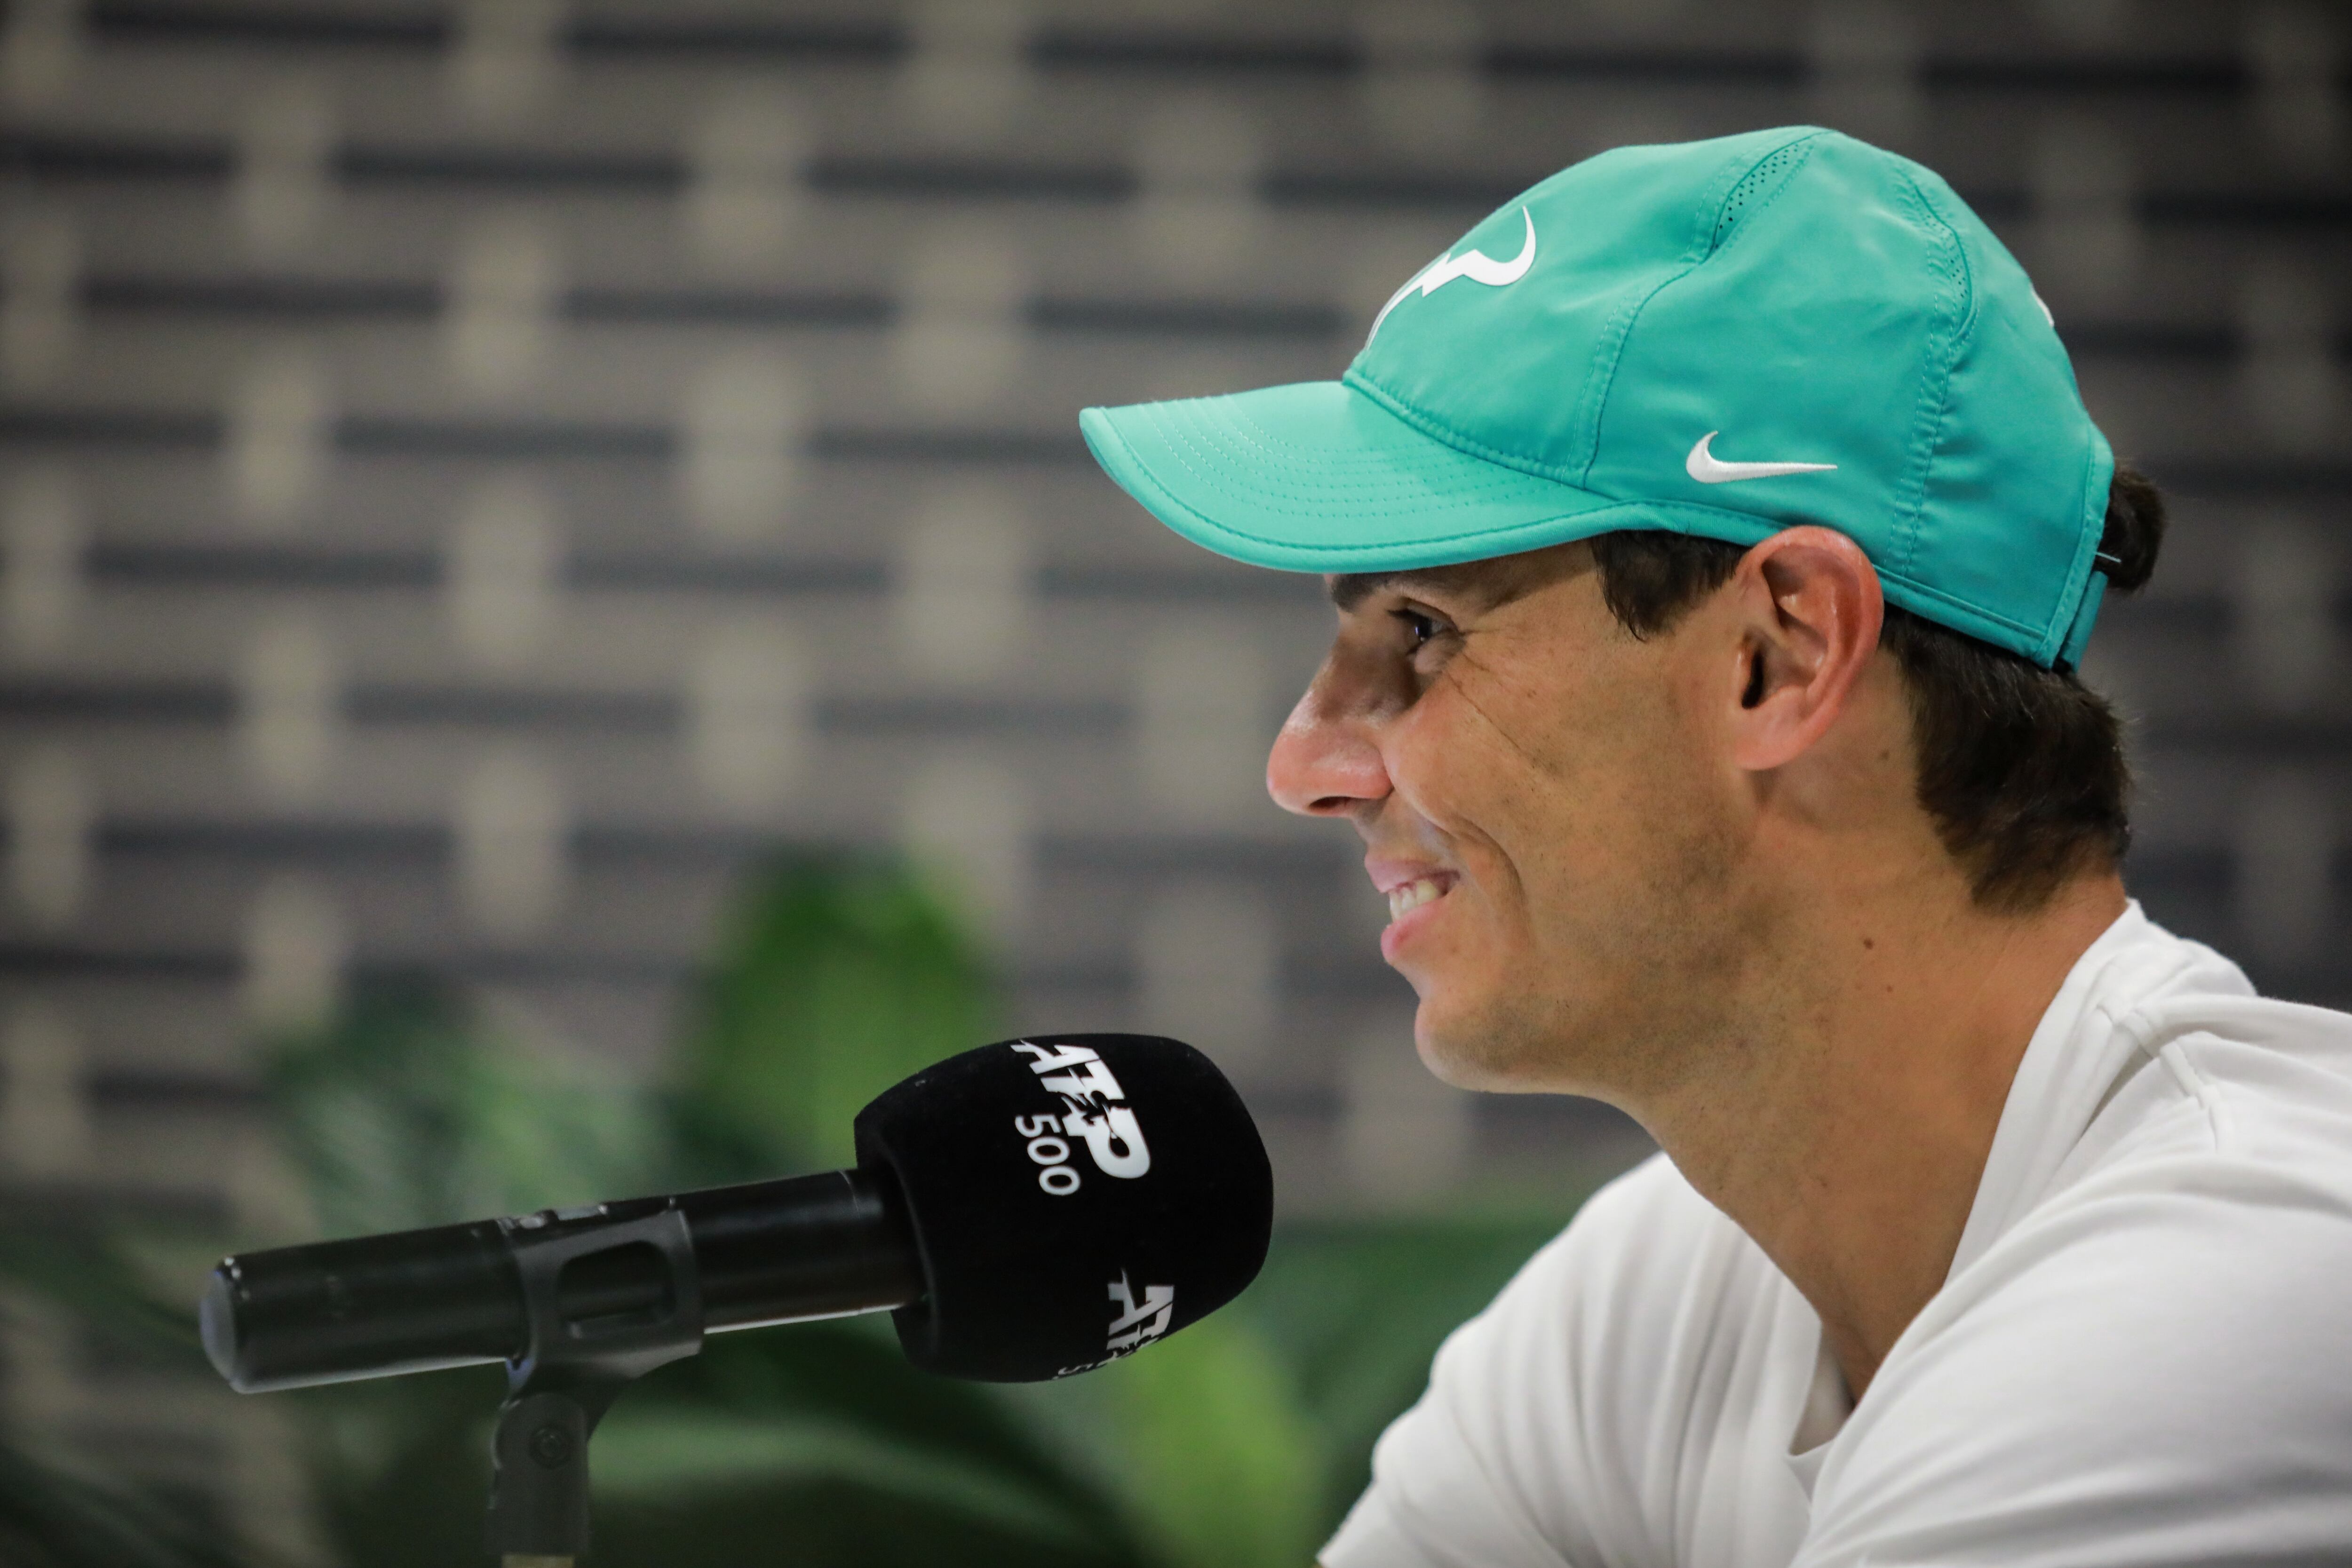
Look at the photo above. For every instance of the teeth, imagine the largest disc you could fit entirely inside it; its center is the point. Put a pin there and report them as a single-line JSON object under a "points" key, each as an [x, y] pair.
{"points": [[1411, 896]]}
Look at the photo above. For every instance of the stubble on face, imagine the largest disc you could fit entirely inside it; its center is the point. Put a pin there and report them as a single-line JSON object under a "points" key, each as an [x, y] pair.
{"points": [[1564, 765]]}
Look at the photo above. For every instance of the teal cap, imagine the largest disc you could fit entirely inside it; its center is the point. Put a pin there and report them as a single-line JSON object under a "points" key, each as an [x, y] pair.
{"points": [[1719, 338]]}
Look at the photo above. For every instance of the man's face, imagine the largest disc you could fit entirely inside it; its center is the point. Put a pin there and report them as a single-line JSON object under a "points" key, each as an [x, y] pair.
{"points": [[1544, 799]]}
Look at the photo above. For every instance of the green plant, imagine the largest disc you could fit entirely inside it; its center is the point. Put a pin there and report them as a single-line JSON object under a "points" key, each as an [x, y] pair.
{"points": [[53, 1514], [54, 1517], [836, 978]]}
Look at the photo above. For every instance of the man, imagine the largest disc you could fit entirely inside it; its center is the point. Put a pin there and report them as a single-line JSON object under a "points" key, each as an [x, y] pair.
{"points": [[1715, 533]]}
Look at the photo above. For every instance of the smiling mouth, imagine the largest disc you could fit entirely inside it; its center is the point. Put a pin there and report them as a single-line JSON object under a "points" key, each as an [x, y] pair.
{"points": [[1410, 896]]}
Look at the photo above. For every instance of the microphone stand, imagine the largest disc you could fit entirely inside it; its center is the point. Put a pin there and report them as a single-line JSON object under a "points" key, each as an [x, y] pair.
{"points": [[570, 1371]]}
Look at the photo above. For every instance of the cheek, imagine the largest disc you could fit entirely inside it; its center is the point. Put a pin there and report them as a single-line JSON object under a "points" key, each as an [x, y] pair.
{"points": [[1576, 815], [1456, 771], [1531, 794]]}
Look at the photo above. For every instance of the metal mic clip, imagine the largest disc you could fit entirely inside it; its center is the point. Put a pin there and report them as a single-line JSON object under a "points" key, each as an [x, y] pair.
{"points": [[572, 1369]]}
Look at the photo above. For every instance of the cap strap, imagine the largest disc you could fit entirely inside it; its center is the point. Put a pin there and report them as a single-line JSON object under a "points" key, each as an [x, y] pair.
{"points": [[2078, 635]]}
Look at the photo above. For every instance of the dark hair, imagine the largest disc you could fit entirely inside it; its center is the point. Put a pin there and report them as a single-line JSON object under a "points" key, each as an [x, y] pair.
{"points": [[2022, 768]]}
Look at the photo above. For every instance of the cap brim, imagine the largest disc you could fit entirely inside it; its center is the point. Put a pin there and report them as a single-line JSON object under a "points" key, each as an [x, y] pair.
{"points": [[1318, 477]]}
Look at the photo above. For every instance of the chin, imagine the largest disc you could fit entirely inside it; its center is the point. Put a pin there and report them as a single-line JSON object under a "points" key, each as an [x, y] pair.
{"points": [[1498, 1040], [1471, 1053]]}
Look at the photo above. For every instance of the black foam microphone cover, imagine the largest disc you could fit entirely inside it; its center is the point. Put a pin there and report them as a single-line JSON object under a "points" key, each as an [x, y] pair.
{"points": [[1073, 1197]]}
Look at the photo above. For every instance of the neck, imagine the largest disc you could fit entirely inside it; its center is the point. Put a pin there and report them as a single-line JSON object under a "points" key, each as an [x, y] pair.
{"points": [[1848, 1129]]}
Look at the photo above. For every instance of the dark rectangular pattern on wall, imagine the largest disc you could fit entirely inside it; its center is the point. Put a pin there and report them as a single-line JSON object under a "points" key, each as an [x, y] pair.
{"points": [[471, 476]]}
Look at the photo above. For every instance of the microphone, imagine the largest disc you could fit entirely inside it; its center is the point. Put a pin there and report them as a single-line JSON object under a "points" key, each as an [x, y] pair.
{"points": [[1027, 1210]]}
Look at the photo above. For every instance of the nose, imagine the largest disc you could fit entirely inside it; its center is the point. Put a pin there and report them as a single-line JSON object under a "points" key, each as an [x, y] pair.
{"points": [[1326, 761]]}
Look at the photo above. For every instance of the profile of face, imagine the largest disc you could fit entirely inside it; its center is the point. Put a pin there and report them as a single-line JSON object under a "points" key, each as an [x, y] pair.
{"points": [[1559, 812]]}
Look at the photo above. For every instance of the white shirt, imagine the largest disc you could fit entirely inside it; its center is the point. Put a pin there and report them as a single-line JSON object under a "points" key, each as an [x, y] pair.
{"points": [[2142, 1355]]}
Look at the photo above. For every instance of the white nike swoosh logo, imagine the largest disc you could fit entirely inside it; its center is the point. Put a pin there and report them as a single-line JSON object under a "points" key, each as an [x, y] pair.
{"points": [[1709, 469], [1476, 265]]}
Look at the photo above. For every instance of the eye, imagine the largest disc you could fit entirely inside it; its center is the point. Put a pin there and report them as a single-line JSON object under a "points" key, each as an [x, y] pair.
{"points": [[1421, 628]]}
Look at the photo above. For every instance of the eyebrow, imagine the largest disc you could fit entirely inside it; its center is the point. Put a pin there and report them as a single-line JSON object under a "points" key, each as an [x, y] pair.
{"points": [[1349, 589], [1483, 581]]}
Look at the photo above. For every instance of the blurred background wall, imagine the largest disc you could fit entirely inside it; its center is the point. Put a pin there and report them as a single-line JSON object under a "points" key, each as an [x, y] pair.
{"points": [[472, 476]]}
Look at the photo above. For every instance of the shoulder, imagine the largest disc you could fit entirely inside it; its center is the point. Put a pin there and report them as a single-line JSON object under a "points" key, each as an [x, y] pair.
{"points": [[2290, 1063], [2206, 1093], [2192, 1012], [2143, 1371], [2137, 1368], [2241, 1090]]}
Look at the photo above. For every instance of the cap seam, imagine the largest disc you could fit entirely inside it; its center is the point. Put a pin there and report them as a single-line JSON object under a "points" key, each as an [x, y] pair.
{"points": [[1197, 460], [1200, 519], [1604, 381], [1609, 505], [1258, 436], [1932, 411], [1362, 381], [1708, 213], [2088, 527], [1182, 444], [1779, 188]]}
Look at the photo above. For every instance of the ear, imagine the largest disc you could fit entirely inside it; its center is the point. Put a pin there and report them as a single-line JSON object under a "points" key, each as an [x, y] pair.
{"points": [[1810, 609]]}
